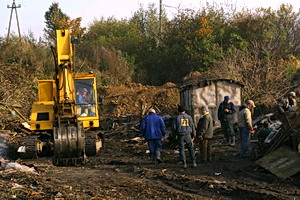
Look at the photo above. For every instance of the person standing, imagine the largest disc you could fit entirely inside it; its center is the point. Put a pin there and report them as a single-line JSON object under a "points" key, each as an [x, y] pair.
{"points": [[183, 127], [225, 115], [205, 134], [245, 126], [287, 108], [153, 129], [289, 103]]}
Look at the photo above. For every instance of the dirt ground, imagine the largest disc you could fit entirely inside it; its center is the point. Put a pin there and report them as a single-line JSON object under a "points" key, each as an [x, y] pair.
{"points": [[123, 170]]}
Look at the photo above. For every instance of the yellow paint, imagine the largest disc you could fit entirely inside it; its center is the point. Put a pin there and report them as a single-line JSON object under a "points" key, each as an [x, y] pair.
{"points": [[184, 122], [46, 90]]}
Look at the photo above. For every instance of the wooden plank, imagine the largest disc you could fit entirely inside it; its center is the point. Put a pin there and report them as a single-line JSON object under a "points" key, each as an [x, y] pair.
{"points": [[282, 162]]}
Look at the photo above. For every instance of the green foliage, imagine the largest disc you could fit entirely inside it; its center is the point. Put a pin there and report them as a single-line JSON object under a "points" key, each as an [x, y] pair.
{"points": [[258, 48], [135, 49], [112, 66], [276, 30], [291, 69], [191, 41]]}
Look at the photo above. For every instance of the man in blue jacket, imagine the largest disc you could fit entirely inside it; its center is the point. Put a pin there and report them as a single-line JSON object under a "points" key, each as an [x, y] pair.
{"points": [[183, 127], [153, 129]]}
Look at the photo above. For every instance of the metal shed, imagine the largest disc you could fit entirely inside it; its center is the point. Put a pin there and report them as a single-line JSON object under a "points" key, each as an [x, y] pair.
{"points": [[210, 93]]}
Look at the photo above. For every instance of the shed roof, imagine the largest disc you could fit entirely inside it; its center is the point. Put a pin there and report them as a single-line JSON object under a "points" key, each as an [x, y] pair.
{"points": [[204, 82]]}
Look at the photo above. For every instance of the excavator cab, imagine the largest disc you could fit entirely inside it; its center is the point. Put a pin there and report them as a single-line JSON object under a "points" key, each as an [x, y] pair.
{"points": [[86, 100]]}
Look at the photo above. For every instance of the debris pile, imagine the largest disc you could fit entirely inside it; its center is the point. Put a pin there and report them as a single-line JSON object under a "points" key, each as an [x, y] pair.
{"points": [[18, 90], [7, 165], [279, 149], [281, 132], [135, 99]]}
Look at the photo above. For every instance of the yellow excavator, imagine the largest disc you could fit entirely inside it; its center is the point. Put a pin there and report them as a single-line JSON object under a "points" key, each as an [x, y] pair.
{"points": [[65, 118]]}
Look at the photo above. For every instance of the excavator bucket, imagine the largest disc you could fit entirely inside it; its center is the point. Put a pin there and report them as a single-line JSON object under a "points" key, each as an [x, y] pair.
{"points": [[69, 144]]}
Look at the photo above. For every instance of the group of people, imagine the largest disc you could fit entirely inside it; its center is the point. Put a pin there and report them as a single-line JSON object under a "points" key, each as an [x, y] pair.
{"points": [[154, 129]]}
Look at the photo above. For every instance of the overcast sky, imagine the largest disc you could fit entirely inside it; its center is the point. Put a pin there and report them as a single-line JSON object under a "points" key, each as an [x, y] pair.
{"points": [[31, 13]]}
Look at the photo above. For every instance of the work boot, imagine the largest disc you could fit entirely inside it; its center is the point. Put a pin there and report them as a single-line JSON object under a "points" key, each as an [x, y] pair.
{"points": [[184, 164], [232, 141], [229, 141], [158, 158], [194, 163], [153, 159]]}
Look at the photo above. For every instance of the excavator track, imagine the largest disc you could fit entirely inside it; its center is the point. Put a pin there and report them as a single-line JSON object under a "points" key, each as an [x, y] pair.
{"points": [[90, 143], [68, 161], [30, 143], [93, 142]]}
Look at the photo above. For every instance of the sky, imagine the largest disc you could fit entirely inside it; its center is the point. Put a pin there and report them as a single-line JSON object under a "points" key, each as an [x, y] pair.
{"points": [[31, 14]]}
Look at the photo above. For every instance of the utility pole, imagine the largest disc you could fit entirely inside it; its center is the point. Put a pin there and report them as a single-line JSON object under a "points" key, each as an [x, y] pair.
{"points": [[160, 17], [160, 24], [13, 7]]}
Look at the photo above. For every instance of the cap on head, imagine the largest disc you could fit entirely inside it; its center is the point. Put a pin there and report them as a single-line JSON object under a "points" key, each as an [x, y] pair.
{"points": [[293, 94], [250, 102], [151, 110], [226, 98], [84, 90], [204, 108], [181, 108]]}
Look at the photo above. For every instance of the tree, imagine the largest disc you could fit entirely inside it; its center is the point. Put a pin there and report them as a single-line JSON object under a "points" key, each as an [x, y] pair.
{"points": [[265, 76], [275, 30], [56, 19], [191, 40]]}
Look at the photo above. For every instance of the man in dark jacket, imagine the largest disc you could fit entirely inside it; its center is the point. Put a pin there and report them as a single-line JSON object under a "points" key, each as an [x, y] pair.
{"points": [[225, 115], [205, 134], [183, 127], [153, 129]]}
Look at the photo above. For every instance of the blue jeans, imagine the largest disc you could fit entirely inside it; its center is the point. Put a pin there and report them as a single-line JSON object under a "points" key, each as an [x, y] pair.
{"points": [[245, 137], [154, 145], [186, 139]]}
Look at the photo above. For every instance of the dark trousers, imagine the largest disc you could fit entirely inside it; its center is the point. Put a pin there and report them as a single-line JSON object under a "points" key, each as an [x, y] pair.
{"points": [[154, 145], [227, 128], [182, 140], [205, 150], [245, 137]]}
